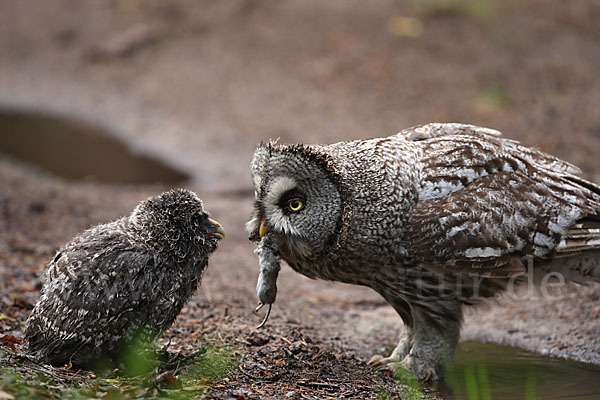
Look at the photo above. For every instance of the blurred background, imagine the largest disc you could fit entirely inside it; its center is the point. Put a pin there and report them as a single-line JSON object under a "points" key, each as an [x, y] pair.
{"points": [[111, 101], [199, 83]]}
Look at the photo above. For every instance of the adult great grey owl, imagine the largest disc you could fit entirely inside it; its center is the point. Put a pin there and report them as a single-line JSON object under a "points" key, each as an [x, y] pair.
{"points": [[432, 218], [123, 280]]}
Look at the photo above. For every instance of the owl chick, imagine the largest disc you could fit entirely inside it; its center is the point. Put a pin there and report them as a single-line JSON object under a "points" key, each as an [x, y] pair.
{"points": [[122, 280], [432, 218]]}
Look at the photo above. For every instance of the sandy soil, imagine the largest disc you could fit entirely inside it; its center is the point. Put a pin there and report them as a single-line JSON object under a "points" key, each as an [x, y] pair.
{"points": [[198, 84]]}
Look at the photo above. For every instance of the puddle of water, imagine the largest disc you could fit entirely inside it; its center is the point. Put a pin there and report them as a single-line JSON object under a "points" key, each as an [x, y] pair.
{"points": [[76, 150], [490, 371]]}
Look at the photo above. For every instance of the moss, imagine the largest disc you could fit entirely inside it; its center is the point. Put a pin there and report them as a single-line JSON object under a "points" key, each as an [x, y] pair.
{"points": [[140, 376]]}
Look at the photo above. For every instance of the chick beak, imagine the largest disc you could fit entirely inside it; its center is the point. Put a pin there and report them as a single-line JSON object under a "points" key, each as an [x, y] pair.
{"points": [[264, 229], [215, 229]]}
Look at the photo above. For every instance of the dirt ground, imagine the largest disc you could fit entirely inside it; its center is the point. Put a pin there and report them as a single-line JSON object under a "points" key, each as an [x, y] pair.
{"points": [[199, 83]]}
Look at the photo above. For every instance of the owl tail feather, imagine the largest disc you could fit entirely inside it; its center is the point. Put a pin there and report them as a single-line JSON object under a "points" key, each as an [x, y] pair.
{"points": [[577, 256]]}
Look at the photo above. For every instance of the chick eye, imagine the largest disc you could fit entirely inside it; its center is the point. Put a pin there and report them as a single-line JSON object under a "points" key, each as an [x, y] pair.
{"points": [[295, 205]]}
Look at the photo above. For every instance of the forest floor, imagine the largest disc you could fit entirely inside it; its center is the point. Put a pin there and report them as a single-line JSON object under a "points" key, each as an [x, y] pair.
{"points": [[198, 84]]}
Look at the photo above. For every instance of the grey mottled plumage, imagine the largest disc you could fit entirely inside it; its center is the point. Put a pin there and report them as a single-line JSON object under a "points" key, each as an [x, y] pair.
{"points": [[128, 277], [432, 218]]}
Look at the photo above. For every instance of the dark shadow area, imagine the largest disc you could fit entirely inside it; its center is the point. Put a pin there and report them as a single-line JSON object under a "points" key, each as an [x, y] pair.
{"points": [[77, 150]]}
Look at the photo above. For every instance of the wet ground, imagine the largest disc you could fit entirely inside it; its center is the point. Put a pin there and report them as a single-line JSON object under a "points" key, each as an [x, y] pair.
{"points": [[79, 151], [197, 84]]}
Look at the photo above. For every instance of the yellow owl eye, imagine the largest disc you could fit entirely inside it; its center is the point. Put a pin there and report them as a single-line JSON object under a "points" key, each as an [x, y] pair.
{"points": [[295, 205]]}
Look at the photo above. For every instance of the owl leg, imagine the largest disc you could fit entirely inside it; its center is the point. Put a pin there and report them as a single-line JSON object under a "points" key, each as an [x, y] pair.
{"points": [[427, 344], [434, 341], [406, 338]]}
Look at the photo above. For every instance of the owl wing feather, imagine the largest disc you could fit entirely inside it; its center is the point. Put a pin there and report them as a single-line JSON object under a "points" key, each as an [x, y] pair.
{"points": [[100, 305], [485, 203], [435, 130], [440, 138]]}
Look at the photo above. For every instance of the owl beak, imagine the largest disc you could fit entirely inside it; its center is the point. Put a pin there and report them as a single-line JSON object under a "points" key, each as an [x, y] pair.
{"points": [[264, 229], [215, 229]]}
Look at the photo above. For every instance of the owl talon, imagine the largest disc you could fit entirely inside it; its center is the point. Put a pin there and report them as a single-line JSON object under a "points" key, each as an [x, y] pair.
{"points": [[427, 375], [400, 368], [419, 368], [264, 321], [376, 360], [381, 363]]}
